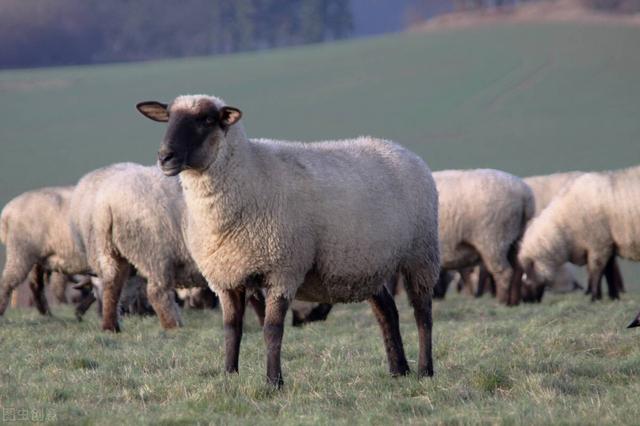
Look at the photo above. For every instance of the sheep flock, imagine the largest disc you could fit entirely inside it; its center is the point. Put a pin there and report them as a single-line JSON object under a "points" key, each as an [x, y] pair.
{"points": [[226, 220]]}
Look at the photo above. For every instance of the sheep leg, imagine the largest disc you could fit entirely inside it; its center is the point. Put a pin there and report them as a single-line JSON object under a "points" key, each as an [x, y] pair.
{"points": [[484, 281], [503, 275], [113, 284], [273, 331], [258, 304], [36, 284], [515, 285], [393, 285], [164, 304], [58, 284], [612, 274], [440, 290], [386, 313], [617, 276], [233, 303], [595, 270], [465, 285], [419, 291], [15, 271]]}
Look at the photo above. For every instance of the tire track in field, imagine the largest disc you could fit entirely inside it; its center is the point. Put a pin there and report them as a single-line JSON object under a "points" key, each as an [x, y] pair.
{"points": [[524, 84]]}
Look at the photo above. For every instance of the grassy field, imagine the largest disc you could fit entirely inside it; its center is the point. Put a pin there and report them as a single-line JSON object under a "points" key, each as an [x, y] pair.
{"points": [[567, 361], [527, 99]]}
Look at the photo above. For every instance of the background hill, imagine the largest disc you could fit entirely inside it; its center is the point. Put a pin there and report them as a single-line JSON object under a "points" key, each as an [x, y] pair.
{"points": [[529, 99]]}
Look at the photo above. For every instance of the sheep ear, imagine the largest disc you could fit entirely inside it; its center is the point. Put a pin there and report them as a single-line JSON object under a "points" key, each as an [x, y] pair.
{"points": [[229, 115], [156, 111]]}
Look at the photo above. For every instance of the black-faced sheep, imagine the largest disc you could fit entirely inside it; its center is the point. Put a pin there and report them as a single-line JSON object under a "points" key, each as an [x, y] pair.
{"points": [[325, 222]]}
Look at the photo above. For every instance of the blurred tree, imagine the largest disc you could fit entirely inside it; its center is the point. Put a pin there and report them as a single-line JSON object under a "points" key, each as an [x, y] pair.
{"points": [[55, 32]]}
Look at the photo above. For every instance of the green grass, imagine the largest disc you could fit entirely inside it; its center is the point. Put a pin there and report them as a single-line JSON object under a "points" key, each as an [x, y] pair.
{"points": [[566, 361]]}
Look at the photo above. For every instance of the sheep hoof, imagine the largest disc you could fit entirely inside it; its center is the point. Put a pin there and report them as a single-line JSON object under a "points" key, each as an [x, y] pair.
{"points": [[111, 327], [401, 372], [276, 382], [425, 372]]}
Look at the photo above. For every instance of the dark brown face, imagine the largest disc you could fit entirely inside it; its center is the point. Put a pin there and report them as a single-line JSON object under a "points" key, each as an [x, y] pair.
{"points": [[192, 133]]}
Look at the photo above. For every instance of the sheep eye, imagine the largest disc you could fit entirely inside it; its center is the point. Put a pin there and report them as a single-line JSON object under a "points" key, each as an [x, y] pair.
{"points": [[209, 121]]}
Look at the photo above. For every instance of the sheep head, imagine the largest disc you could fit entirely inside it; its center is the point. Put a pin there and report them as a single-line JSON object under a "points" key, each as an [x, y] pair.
{"points": [[196, 126]]}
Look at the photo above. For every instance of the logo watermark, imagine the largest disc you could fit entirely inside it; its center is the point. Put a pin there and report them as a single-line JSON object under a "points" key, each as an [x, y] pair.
{"points": [[33, 415]]}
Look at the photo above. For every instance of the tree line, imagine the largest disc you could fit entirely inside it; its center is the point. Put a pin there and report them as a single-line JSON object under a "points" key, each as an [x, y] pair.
{"points": [[65, 32]]}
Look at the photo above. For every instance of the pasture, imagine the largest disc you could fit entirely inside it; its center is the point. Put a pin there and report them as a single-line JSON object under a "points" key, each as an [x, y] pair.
{"points": [[565, 361], [528, 99]]}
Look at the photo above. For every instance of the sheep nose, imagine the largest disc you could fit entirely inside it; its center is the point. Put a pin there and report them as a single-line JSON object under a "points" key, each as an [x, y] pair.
{"points": [[165, 155]]}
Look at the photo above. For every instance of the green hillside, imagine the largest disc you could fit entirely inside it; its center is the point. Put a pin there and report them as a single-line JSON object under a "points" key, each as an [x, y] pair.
{"points": [[527, 99]]}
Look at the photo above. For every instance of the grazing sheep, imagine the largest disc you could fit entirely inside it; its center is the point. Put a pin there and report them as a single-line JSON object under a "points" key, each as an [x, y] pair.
{"points": [[545, 188], [306, 312], [594, 219], [129, 215], [483, 214], [324, 222], [34, 227]]}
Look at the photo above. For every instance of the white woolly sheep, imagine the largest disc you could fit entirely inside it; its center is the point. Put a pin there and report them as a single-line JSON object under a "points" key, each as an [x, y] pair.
{"points": [[482, 216], [545, 188], [130, 215], [127, 214], [35, 229], [324, 222], [594, 219]]}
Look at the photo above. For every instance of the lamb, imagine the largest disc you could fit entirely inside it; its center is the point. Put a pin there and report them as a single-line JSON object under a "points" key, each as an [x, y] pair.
{"points": [[34, 227], [594, 219], [483, 214], [127, 215], [545, 188], [323, 222]]}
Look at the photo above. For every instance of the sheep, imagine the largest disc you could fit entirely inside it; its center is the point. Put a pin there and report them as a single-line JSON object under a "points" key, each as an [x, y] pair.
{"points": [[323, 222], [127, 215], [34, 227], [482, 216], [545, 188], [306, 312], [594, 219]]}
